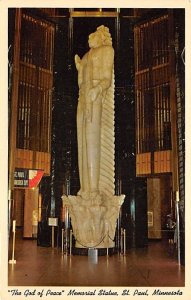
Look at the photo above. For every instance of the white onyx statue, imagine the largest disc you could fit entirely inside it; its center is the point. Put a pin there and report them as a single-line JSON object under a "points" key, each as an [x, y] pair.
{"points": [[95, 74], [95, 209]]}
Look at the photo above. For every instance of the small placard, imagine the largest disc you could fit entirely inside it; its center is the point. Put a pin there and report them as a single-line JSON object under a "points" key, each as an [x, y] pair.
{"points": [[150, 218], [93, 255], [53, 221]]}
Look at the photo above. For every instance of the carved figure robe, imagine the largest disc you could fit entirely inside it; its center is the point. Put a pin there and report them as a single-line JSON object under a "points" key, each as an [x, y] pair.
{"points": [[95, 80]]}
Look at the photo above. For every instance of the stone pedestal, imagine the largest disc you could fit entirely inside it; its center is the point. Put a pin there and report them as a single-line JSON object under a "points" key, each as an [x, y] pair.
{"points": [[94, 219]]}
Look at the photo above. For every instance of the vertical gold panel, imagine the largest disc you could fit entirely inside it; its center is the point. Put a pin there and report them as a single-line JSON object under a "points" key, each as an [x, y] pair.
{"points": [[154, 205], [19, 206], [30, 206], [152, 87], [36, 79]]}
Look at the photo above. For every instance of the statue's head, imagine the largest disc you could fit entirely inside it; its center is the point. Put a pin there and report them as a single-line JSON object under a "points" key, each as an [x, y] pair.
{"points": [[101, 37]]}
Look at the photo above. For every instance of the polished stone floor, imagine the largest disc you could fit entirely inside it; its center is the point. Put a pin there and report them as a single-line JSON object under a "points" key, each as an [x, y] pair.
{"points": [[39, 266]]}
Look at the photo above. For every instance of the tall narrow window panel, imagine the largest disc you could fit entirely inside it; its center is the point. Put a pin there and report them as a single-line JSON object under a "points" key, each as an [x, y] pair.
{"points": [[35, 84], [152, 85]]}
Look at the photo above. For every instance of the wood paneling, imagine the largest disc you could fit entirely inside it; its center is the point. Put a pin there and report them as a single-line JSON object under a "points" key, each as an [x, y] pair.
{"points": [[159, 203], [33, 160], [19, 195], [143, 163], [152, 86], [162, 162], [154, 207], [30, 212], [34, 118], [14, 104], [35, 84], [167, 204]]}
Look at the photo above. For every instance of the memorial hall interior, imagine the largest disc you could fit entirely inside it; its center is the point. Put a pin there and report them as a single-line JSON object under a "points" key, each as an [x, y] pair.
{"points": [[149, 147]]}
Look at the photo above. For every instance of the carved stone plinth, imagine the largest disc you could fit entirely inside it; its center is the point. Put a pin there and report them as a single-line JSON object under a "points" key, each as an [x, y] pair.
{"points": [[94, 219]]}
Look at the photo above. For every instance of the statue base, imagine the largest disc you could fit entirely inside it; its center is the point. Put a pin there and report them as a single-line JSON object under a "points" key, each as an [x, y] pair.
{"points": [[93, 219], [101, 251]]}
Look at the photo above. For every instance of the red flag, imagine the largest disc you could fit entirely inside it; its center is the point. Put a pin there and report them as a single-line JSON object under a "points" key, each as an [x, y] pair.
{"points": [[35, 177]]}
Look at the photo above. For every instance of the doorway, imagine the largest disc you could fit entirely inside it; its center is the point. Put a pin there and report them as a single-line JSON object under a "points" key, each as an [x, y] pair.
{"points": [[26, 208]]}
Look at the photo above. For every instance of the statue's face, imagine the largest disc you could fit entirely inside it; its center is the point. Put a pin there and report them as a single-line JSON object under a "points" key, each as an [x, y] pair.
{"points": [[94, 40]]}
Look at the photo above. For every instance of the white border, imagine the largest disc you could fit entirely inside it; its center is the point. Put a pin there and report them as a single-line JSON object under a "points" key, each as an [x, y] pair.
{"points": [[4, 4]]}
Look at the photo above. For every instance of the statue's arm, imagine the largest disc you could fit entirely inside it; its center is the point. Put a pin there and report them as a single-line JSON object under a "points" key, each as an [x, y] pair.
{"points": [[107, 67], [77, 61], [107, 61]]}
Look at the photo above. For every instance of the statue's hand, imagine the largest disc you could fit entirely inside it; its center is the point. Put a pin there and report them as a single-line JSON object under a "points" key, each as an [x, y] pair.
{"points": [[77, 61], [94, 93]]}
